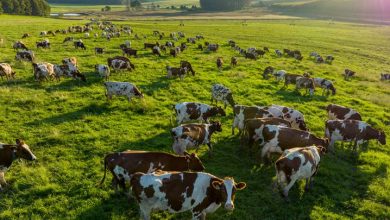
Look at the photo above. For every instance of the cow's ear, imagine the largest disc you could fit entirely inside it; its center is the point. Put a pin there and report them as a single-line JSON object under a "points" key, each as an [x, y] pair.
{"points": [[216, 185], [240, 185]]}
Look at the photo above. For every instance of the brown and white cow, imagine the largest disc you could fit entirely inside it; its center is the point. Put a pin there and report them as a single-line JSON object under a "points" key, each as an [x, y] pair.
{"points": [[221, 93], [192, 111], [295, 117], [352, 131], [193, 135], [291, 79], [70, 61], [43, 71], [124, 164], [120, 63], [243, 113], [342, 113], [306, 83], [253, 129], [201, 193], [277, 139], [296, 164], [10, 152], [6, 70], [122, 89], [129, 52], [325, 84]]}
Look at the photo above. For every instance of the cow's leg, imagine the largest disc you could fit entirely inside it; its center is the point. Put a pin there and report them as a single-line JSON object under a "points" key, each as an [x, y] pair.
{"points": [[288, 187], [2, 180], [265, 151], [233, 128], [198, 215], [129, 98], [307, 185], [210, 149], [145, 212]]}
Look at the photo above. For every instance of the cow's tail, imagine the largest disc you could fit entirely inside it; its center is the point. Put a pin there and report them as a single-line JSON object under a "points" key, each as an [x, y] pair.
{"points": [[105, 171]]}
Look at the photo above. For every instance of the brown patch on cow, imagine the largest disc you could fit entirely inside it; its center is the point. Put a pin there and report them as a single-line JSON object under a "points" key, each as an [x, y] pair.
{"points": [[149, 191], [175, 186], [340, 112], [193, 111], [252, 124], [212, 196], [288, 166], [349, 129]]}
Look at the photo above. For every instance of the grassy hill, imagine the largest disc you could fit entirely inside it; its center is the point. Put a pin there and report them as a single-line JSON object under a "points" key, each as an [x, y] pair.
{"points": [[370, 10], [70, 126]]}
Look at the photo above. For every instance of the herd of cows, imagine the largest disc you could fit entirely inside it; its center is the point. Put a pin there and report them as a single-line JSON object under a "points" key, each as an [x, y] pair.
{"points": [[177, 183]]}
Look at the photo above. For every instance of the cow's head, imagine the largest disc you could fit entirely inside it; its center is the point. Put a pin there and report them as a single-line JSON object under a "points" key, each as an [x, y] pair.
{"points": [[137, 93], [321, 150], [333, 89], [302, 125], [230, 99], [132, 66], [382, 137], [23, 150], [217, 110], [80, 76], [194, 162], [227, 189], [216, 126]]}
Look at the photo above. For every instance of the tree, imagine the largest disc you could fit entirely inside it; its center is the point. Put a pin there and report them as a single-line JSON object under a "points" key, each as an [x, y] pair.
{"points": [[223, 5], [25, 7]]}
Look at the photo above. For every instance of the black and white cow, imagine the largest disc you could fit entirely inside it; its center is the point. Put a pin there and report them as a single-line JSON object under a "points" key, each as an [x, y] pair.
{"points": [[43, 71], [325, 84], [103, 71], [221, 93], [27, 55]]}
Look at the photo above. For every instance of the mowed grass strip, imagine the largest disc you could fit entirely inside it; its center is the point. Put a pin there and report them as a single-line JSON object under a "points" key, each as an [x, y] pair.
{"points": [[70, 125]]}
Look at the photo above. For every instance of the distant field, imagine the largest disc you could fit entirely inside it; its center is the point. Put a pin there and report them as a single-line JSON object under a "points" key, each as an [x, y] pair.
{"points": [[70, 126]]}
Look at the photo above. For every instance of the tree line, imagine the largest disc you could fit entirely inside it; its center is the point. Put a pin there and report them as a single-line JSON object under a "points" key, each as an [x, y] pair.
{"points": [[223, 5], [25, 7], [87, 2]]}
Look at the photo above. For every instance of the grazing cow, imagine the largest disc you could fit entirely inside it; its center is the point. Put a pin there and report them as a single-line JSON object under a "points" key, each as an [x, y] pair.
{"points": [[122, 89], [314, 54], [219, 63], [149, 45], [191, 111], [352, 130], [103, 71], [277, 139], [26, 35], [286, 51], [329, 59], [68, 39], [156, 51], [86, 35], [186, 64], [11, 152], [279, 75], [251, 55], [253, 129], [177, 72], [68, 71], [325, 84], [319, 59], [266, 49], [200, 193], [268, 71], [342, 113], [123, 165], [385, 76], [43, 33], [129, 52], [200, 47], [6, 70], [19, 45], [296, 164], [191, 40], [183, 46], [25, 55], [43, 71], [43, 44], [79, 44], [307, 83], [70, 61], [242, 113], [99, 50], [278, 53], [169, 44], [193, 135], [295, 117], [348, 74], [221, 93], [212, 47], [290, 79], [120, 63], [260, 52], [233, 61]]}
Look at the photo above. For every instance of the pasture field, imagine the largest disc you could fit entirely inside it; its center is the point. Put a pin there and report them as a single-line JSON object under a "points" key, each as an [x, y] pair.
{"points": [[70, 126]]}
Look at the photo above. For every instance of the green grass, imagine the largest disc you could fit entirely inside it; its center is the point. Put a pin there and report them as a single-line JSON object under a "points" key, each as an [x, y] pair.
{"points": [[70, 126]]}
